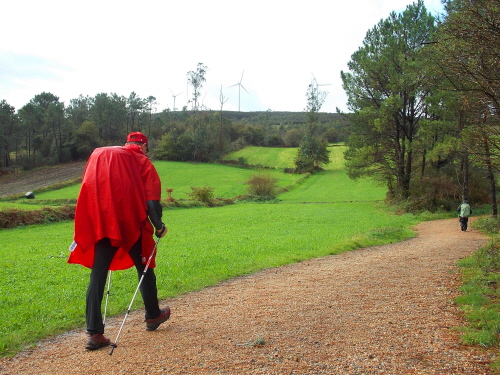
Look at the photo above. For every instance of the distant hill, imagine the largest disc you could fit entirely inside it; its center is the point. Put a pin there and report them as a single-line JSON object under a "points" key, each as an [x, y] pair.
{"points": [[271, 117], [278, 117]]}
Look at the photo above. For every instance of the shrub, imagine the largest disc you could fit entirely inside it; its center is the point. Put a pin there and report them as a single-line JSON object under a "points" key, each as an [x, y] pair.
{"points": [[303, 165], [292, 137], [203, 194], [263, 186], [490, 224], [169, 193]]}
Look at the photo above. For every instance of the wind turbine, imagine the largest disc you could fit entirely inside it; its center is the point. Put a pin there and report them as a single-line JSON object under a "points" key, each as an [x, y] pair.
{"points": [[318, 84], [174, 96], [239, 89]]}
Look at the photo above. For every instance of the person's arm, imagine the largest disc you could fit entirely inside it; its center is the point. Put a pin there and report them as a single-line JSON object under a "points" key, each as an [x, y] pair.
{"points": [[155, 212]]}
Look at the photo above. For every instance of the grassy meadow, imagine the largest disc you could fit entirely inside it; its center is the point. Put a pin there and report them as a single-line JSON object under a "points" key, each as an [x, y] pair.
{"points": [[277, 158], [227, 181], [280, 158], [324, 214]]}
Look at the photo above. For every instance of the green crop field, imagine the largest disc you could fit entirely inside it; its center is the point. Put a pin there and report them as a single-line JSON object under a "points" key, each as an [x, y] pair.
{"points": [[324, 214]]}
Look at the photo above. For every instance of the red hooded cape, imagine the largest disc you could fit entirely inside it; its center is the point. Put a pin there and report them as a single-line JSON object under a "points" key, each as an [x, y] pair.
{"points": [[117, 182]]}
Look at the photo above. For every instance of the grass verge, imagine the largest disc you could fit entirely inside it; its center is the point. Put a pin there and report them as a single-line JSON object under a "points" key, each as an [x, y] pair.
{"points": [[480, 298]]}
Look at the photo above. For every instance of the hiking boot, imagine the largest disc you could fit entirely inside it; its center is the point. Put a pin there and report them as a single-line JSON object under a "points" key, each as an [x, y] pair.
{"points": [[152, 324], [97, 341]]}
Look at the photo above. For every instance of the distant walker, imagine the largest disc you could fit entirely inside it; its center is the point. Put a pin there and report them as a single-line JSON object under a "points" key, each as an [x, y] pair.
{"points": [[464, 211]]}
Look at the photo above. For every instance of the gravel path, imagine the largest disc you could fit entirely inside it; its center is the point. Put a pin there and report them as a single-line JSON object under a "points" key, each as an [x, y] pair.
{"points": [[380, 310]]}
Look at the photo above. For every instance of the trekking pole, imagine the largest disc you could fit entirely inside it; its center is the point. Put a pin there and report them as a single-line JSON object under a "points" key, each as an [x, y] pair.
{"points": [[114, 345], [107, 297]]}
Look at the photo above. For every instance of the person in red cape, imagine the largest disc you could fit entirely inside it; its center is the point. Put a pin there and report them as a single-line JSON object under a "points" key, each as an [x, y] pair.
{"points": [[117, 207]]}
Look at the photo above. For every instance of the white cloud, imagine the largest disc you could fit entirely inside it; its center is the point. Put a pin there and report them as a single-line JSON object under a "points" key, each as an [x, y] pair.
{"points": [[72, 48]]}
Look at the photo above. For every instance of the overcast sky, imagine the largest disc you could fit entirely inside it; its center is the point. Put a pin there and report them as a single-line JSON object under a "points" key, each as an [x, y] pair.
{"points": [[72, 48]]}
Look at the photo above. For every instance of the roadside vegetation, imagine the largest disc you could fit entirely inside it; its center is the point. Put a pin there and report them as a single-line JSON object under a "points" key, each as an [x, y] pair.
{"points": [[480, 299]]}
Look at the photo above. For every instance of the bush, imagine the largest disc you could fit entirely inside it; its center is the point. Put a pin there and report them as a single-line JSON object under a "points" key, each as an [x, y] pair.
{"points": [[304, 165], [490, 224], [262, 186], [203, 194]]}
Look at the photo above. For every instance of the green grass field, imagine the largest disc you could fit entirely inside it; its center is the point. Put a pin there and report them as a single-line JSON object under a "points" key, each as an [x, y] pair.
{"points": [[334, 186], [325, 214], [280, 158], [227, 181], [20, 205]]}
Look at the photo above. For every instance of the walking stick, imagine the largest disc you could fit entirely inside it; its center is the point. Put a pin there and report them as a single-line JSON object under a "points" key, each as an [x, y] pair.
{"points": [[107, 297], [114, 345]]}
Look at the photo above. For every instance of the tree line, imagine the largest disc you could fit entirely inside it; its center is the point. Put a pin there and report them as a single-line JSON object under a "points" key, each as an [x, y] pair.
{"points": [[423, 93], [46, 131]]}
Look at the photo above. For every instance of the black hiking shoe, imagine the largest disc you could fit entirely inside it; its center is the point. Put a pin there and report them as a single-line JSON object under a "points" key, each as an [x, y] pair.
{"points": [[97, 341], [152, 324]]}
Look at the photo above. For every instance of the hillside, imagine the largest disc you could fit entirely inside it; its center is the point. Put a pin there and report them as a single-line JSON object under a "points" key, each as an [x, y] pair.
{"points": [[271, 117]]}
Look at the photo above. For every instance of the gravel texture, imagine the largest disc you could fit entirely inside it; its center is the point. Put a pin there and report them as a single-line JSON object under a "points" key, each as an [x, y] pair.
{"points": [[380, 310]]}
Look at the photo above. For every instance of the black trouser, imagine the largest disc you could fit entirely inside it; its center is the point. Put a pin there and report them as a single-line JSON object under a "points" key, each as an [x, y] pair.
{"points": [[103, 256], [463, 223]]}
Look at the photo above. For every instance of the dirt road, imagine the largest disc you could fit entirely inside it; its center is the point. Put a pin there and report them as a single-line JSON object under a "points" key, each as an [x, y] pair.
{"points": [[22, 182], [380, 310]]}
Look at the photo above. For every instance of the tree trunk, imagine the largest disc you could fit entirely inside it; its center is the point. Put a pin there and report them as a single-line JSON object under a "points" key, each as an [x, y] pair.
{"points": [[491, 178], [465, 182]]}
